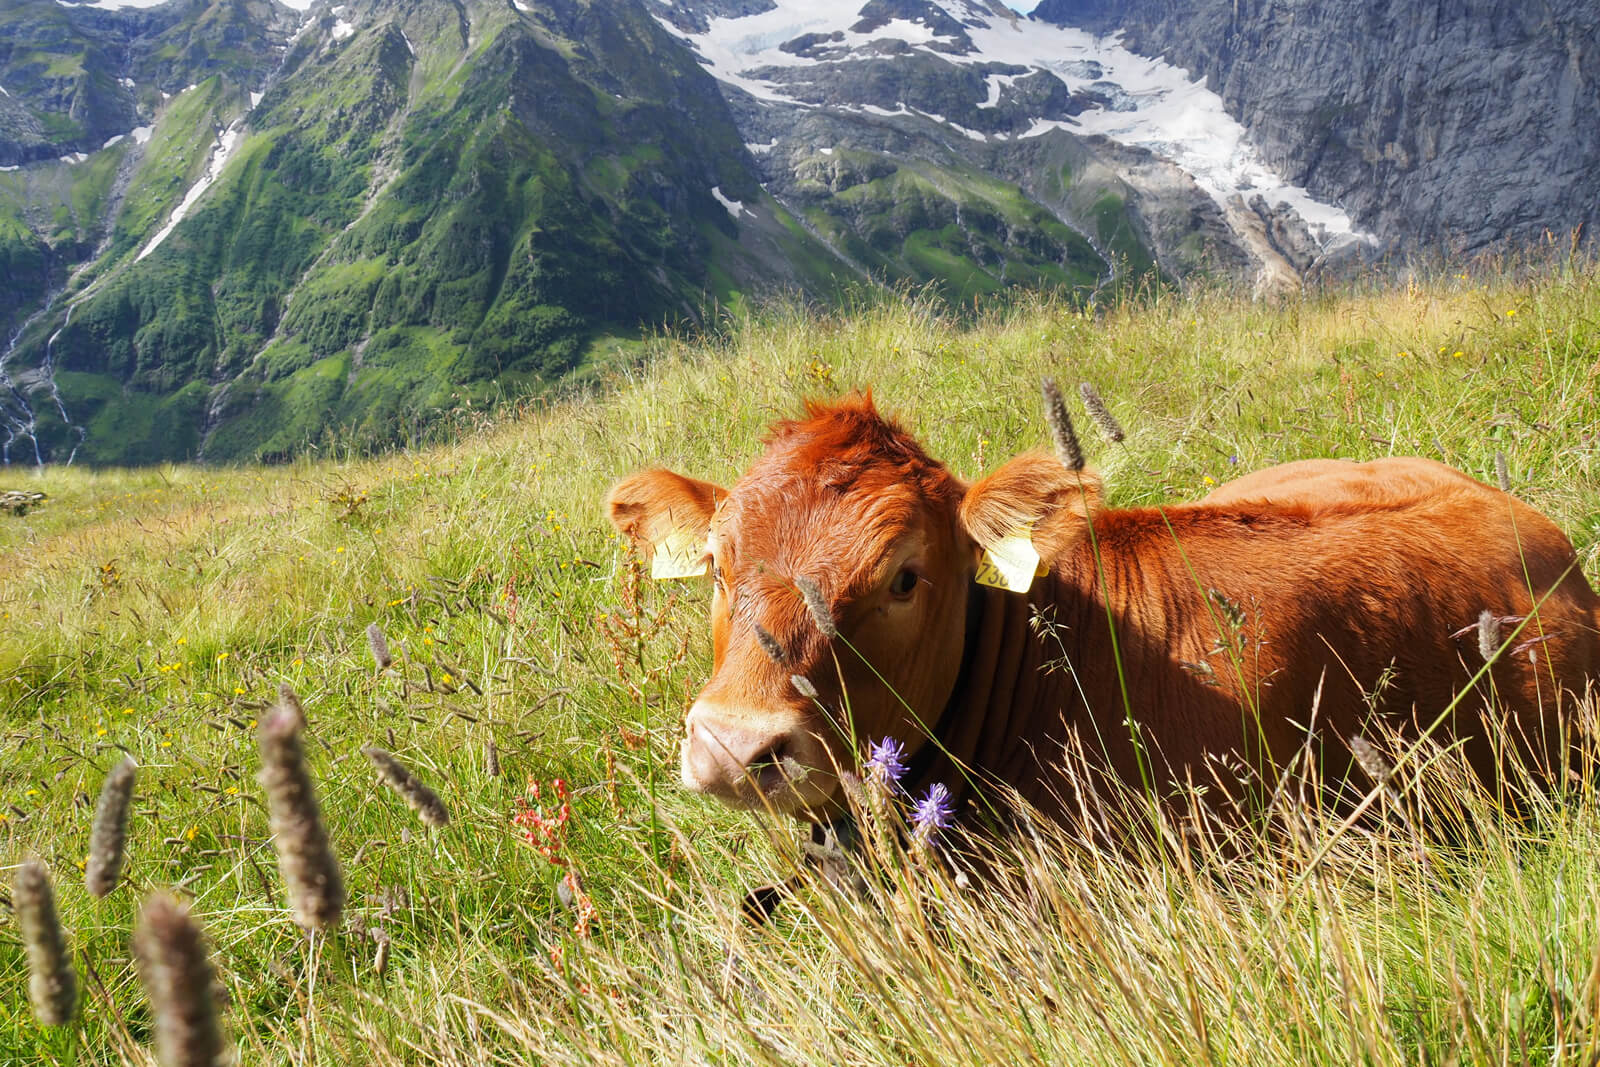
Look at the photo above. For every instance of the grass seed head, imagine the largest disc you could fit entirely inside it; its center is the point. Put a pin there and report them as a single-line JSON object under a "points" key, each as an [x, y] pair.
{"points": [[817, 605], [108, 838], [306, 861], [1101, 415], [1488, 634], [380, 647], [288, 698], [397, 776], [176, 970], [491, 758], [52, 983], [1502, 471], [770, 645], [1061, 432], [1371, 761]]}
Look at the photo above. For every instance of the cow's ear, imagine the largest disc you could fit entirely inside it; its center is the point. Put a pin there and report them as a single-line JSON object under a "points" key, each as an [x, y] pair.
{"points": [[659, 510], [1035, 493]]}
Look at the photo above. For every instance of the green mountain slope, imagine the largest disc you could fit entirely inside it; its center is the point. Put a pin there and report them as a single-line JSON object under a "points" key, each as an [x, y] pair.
{"points": [[429, 202], [348, 225]]}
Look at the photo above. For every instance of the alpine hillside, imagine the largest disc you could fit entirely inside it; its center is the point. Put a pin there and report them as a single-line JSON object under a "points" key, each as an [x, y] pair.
{"points": [[384, 209]]}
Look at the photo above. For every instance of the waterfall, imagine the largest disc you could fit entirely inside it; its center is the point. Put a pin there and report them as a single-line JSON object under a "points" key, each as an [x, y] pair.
{"points": [[19, 419]]}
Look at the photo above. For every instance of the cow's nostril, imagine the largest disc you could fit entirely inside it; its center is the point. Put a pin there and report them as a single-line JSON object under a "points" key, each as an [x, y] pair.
{"points": [[769, 757], [777, 764]]}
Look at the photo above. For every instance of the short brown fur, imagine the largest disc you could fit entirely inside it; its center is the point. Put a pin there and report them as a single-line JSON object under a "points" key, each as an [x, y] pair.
{"points": [[1319, 585]]}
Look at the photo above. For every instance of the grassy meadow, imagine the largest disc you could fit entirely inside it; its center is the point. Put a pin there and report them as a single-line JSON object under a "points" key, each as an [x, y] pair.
{"points": [[155, 613]]}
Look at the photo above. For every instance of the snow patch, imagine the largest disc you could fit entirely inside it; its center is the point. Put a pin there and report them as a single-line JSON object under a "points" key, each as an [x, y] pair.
{"points": [[115, 5], [997, 84], [73, 158], [761, 149], [901, 110], [113, 140], [12, 167], [735, 207], [342, 30], [409, 46], [735, 47], [520, 6], [221, 151], [1168, 112], [974, 135], [126, 83], [255, 98]]}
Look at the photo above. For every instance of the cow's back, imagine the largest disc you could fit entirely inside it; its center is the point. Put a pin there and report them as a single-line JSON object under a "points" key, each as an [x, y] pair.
{"points": [[1313, 481], [1358, 589]]}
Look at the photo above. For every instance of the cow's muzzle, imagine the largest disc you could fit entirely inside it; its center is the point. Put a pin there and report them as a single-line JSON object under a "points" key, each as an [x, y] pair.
{"points": [[753, 759]]}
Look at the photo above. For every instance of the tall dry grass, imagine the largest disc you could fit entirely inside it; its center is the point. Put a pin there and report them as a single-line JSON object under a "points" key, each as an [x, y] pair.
{"points": [[155, 613]]}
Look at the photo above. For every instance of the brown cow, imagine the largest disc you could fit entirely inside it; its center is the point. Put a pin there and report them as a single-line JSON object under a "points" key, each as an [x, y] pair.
{"points": [[845, 609]]}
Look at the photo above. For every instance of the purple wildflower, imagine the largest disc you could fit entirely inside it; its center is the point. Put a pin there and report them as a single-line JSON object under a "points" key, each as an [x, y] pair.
{"points": [[933, 811], [886, 762]]}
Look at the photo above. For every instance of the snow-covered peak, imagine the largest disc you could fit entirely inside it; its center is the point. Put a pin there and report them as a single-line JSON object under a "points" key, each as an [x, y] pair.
{"points": [[794, 51], [118, 5]]}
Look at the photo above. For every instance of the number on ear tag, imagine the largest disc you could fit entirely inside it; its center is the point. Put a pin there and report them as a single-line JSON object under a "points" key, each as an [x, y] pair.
{"points": [[681, 555], [1011, 562]]}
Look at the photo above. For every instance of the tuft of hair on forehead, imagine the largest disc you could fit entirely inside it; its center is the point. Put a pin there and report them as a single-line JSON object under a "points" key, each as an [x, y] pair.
{"points": [[842, 438]]}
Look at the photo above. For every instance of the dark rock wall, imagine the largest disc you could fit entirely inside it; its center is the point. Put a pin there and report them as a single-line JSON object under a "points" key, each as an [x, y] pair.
{"points": [[1439, 124]]}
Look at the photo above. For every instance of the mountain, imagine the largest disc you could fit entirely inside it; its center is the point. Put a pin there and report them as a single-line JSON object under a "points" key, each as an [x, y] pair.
{"points": [[1445, 127], [231, 229], [389, 209]]}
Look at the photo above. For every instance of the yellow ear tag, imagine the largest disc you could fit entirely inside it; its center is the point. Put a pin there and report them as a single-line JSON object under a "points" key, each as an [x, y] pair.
{"points": [[681, 555], [1011, 563]]}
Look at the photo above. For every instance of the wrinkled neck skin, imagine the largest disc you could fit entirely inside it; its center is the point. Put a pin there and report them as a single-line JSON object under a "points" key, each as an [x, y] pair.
{"points": [[1031, 658], [1007, 717]]}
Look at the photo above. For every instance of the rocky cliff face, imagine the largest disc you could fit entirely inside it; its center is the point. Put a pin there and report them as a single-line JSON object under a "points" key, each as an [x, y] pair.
{"points": [[1452, 126], [839, 98]]}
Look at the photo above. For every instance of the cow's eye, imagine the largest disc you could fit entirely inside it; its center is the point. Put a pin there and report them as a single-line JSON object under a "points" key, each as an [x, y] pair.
{"points": [[904, 584]]}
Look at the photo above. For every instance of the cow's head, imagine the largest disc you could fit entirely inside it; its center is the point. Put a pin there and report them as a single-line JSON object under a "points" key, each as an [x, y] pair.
{"points": [[842, 564]]}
